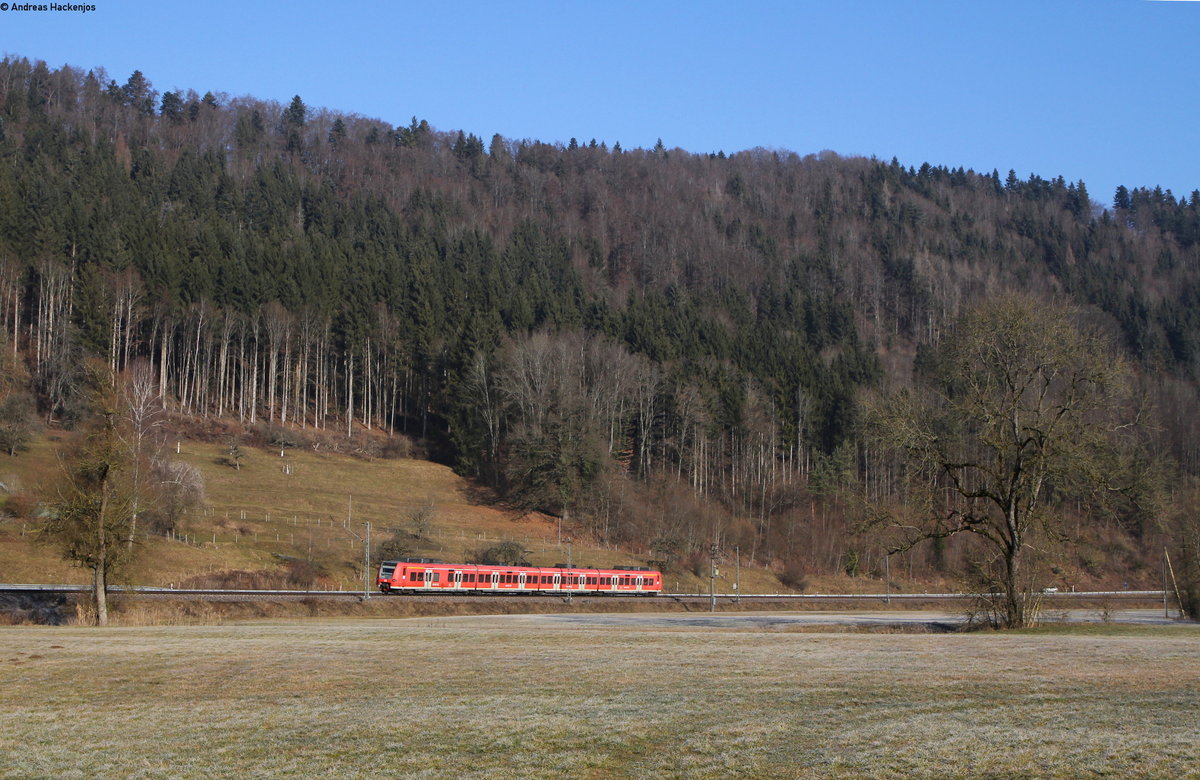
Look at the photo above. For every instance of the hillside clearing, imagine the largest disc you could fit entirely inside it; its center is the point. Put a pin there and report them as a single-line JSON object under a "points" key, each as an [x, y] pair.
{"points": [[312, 506]]}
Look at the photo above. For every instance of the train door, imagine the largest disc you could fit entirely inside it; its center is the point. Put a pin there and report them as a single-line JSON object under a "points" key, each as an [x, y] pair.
{"points": [[495, 580], [457, 578], [638, 583], [557, 584], [427, 577]]}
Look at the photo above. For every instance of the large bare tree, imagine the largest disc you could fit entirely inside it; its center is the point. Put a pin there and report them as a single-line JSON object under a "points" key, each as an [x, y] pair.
{"points": [[93, 503], [1025, 404]]}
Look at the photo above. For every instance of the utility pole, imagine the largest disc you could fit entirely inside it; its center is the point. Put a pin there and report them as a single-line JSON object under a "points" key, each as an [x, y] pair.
{"points": [[1174, 583], [713, 551], [570, 576], [367, 563], [737, 582], [887, 576]]}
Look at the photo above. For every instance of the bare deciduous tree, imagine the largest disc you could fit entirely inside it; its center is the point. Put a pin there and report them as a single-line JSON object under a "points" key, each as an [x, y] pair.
{"points": [[142, 432], [1025, 403], [93, 504]]}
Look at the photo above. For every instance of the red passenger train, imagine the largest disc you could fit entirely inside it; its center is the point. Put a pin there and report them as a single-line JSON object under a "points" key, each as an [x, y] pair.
{"points": [[414, 575]]}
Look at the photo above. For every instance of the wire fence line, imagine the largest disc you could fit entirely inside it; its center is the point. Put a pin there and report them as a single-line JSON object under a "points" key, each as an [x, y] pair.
{"points": [[299, 530]]}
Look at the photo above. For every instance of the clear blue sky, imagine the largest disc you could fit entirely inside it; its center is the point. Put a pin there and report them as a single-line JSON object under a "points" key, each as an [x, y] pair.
{"points": [[1107, 91]]}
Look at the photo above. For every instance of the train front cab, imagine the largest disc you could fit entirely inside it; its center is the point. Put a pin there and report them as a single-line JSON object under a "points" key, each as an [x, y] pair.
{"points": [[400, 575], [387, 570]]}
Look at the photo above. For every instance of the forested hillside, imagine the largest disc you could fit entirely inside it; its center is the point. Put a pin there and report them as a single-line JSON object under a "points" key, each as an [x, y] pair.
{"points": [[663, 347]]}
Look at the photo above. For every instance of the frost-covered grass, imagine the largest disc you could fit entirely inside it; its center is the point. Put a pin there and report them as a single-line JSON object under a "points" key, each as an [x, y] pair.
{"points": [[480, 697]]}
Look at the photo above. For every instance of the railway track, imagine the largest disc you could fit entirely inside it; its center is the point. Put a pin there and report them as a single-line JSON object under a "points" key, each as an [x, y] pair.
{"points": [[687, 599]]}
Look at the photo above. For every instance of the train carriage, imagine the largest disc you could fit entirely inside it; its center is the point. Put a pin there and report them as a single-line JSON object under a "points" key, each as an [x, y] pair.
{"points": [[416, 575]]}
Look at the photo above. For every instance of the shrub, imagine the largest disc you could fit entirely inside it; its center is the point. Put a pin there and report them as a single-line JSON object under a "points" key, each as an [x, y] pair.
{"points": [[793, 576], [391, 550], [502, 554], [1185, 567], [18, 505]]}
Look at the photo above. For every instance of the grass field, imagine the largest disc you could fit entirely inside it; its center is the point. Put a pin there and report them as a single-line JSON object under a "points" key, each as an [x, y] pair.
{"points": [[307, 505], [490, 697], [312, 506]]}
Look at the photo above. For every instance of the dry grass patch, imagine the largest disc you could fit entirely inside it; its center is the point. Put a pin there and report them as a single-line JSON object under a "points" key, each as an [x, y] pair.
{"points": [[298, 506], [474, 697]]}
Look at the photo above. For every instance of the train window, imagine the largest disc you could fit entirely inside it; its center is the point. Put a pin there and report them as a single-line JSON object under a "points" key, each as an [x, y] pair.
{"points": [[437, 576]]}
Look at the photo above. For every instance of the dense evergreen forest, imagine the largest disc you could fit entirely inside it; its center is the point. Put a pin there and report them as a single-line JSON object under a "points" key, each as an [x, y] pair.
{"points": [[663, 347]]}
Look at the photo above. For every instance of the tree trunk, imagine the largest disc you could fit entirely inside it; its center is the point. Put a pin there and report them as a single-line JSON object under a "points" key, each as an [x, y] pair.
{"points": [[100, 594], [1014, 595], [100, 570]]}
